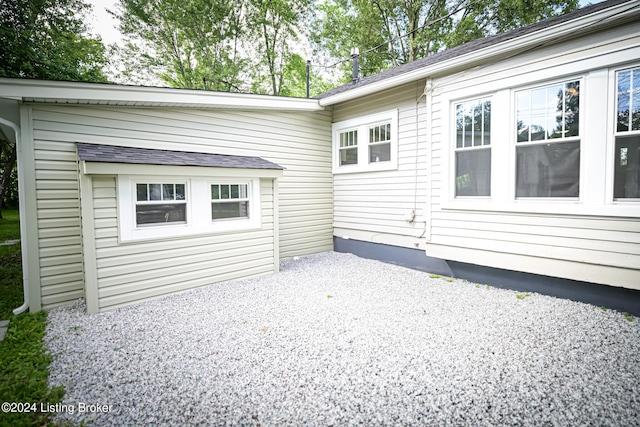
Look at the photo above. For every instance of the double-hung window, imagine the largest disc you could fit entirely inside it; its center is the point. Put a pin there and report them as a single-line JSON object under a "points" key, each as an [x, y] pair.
{"points": [[348, 147], [473, 148], [160, 203], [229, 201], [626, 183], [380, 143], [367, 143], [548, 141]]}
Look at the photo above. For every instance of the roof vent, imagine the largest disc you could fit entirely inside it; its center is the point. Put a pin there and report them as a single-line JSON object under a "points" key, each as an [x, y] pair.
{"points": [[355, 52]]}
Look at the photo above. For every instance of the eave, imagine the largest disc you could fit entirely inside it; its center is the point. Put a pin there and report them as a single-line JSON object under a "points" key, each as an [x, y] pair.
{"points": [[78, 93]]}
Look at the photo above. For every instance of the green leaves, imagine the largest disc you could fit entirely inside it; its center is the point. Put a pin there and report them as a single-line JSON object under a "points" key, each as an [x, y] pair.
{"points": [[47, 39], [394, 32]]}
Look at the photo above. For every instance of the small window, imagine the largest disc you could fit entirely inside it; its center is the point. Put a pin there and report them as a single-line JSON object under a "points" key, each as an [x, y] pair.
{"points": [[627, 146], [366, 144], [229, 201], [473, 151], [547, 141], [349, 148], [159, 203], [380, 143]]}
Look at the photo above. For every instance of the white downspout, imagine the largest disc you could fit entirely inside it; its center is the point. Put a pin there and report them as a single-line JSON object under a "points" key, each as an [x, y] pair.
{"points": [[23, 220]]}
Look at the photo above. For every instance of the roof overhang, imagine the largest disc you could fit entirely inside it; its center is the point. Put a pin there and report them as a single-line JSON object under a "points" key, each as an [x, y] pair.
{"points": [[590, 23], [109, 159], [62, 92]]}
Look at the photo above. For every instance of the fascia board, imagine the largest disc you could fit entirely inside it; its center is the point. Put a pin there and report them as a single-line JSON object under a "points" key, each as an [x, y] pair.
{"points": [[107, 94], [591, 22], [100, 168]]}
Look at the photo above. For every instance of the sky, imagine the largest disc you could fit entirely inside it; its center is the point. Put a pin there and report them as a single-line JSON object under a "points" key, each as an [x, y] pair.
{"points": [[102, 23]]}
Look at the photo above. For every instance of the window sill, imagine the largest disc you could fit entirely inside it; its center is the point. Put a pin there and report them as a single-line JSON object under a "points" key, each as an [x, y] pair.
{"points": [[544, 207], [371, 167]]}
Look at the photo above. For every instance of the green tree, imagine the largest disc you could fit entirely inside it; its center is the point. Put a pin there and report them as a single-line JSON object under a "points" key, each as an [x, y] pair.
{"points": [[274, 26], [187, 43], [44, 39], [394, 32]]}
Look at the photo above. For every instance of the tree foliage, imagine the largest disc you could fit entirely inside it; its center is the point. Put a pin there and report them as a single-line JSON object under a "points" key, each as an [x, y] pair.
{"points": [[395, 32], [273, 26], [187, 43], [46, 39], [226, 45]]}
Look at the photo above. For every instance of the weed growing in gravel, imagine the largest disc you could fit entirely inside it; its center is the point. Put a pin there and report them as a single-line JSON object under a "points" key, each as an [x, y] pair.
{"points": [[522, 296], [603, 308], [628, 316], [434, 276]]}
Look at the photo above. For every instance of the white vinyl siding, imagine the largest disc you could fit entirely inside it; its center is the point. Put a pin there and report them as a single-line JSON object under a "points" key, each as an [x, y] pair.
{"points": [[134, 272], [298, 141], [58, 219], [378, 206], [590, 239]]}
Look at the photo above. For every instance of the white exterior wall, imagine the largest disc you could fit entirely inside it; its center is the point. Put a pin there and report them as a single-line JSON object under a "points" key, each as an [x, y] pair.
{"points": [[373, 206], [594, 239], [298, 141], [133, 272]]}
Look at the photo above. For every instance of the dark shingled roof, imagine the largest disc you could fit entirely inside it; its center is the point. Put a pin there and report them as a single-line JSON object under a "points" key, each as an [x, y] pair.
{"points": [[470, 47], [143, 156]]}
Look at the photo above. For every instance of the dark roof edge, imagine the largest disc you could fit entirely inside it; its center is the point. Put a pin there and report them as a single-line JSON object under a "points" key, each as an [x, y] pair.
{"points": [[99, 153]]}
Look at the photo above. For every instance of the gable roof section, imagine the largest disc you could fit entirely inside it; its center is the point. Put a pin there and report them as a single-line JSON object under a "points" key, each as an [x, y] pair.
{"points": [[587, 19], [98, 153]]}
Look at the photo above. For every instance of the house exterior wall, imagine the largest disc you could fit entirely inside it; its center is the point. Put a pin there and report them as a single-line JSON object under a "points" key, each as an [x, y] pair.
{"points": [[298, 141], [133, 272], [374, 206], [593, 239]]}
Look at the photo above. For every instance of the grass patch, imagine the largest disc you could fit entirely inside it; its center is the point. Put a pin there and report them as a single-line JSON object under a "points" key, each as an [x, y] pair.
{"points": [[24, 363], [9, 225], [628, 317], [24, 367], [10, 264]]}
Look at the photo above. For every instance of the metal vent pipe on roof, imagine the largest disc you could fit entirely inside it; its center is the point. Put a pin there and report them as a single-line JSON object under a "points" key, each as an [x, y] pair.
{"points": [[355, 52]]}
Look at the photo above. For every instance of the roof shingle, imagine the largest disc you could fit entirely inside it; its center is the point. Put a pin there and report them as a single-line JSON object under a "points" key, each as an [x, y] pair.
{"points": [[144, 156]]}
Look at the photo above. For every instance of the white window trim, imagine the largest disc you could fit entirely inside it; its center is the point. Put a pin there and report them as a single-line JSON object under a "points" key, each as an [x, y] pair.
{"points": [[457, 149], [596, 159], [198, 194], [362, 124], [584, 87], [611, 138]]}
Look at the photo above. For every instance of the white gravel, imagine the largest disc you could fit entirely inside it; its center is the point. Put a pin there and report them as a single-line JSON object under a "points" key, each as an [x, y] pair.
{"points": [[339, 340]]}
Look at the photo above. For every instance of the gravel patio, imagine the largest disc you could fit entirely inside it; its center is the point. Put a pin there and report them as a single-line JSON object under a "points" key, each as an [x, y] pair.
{"points": [[339, 340]]}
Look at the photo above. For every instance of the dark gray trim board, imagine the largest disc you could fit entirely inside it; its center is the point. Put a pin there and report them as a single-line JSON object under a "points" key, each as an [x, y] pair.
{"points": [[621, 299]]}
